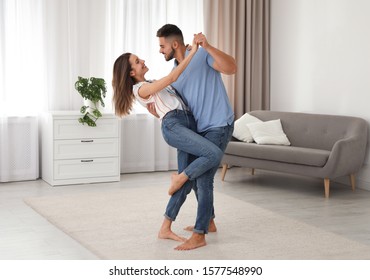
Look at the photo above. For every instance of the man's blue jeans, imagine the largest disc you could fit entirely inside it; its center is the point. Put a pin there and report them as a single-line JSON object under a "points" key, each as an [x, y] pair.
{"points": [[179, 131], [203, 185]]}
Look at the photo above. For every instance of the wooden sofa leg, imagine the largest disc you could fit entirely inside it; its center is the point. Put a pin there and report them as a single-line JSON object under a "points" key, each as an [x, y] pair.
{"points": [[327, 186], [252, 171], [353, 181], [223, 172]]}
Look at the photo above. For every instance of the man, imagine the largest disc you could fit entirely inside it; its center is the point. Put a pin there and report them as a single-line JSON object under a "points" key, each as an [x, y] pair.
{"points": [[202, 89]]}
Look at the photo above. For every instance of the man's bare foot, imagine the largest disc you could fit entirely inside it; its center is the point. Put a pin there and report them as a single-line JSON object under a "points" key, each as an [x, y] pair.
{"points": [[169, 234], [195, 241], [212, 227], [177, 181]]}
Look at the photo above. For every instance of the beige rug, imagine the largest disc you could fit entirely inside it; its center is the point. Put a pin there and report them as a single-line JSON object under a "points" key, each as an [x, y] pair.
{"points": [[124, 224]]}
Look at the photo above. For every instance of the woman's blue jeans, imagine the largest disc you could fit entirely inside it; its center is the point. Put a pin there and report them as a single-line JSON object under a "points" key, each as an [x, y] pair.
{"points": [[179, 131], [202, 185]]}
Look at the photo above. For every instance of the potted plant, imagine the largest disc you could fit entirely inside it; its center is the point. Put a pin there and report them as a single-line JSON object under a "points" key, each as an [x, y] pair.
{"points": [[93, 90]]}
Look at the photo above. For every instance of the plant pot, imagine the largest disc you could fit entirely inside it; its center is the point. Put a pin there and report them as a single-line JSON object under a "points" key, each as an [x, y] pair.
{"points": [[91, 105]]}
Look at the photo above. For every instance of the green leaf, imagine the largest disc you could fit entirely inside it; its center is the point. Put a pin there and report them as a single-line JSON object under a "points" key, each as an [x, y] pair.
{"points": [[83, 109], [97, 113]]}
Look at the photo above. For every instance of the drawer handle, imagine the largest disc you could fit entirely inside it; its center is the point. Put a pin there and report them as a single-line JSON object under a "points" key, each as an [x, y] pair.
{"points": [[87, 160], [87, 141]]}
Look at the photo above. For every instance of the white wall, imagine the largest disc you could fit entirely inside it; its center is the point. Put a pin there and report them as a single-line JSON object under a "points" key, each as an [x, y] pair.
{"points": [[320, 59]]}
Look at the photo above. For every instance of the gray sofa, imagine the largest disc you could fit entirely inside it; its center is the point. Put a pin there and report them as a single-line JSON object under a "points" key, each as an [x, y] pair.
{"points": [[323, 146]]}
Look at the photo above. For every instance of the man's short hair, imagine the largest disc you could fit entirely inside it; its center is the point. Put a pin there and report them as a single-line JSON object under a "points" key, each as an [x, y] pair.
{"points": [[170, 30]]}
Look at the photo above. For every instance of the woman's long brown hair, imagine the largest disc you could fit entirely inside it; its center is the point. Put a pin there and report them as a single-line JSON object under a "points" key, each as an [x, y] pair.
{"points": [[122, 83]]}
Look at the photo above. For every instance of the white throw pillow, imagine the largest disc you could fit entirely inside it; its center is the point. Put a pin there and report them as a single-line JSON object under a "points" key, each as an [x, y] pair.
{"points": [[241, 131], [270, 132]]}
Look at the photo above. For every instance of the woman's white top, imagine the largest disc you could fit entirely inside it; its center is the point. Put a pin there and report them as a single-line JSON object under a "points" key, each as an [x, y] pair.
{"points": [[165, 100]]}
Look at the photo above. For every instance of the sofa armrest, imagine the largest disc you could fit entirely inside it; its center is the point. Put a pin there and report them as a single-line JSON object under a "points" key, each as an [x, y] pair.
{"points": [[346, 157]]}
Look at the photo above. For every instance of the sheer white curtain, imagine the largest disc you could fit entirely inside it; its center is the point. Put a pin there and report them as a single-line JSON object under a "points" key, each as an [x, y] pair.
{"points": [[74, 42], [22, 84], [22, 77], [46, 44]]}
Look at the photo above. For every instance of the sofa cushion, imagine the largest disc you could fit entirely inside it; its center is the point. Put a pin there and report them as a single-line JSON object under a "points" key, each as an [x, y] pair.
{"points": [[241, 131], [287, 154], [270, 132]]}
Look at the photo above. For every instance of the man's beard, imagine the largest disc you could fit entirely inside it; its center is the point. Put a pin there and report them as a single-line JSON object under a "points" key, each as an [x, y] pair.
{"points": [[171, 55]]}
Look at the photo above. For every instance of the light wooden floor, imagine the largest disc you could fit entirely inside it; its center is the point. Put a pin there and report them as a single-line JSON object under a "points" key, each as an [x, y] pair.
{"points": [[26, 235]]}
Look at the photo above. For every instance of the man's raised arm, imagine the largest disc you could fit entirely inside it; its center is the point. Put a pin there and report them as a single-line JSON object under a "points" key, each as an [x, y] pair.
{"points": [[223, 62]]}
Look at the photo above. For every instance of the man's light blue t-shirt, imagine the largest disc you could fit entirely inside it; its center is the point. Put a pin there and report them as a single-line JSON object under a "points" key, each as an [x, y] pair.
{"points": [[202, 89]]}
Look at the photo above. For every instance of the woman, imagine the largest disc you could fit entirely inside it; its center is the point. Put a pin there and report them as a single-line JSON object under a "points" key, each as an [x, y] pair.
{"points": [[178, 124]]}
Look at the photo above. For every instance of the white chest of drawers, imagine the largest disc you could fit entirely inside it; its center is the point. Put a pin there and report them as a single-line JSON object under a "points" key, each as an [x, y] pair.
{"points": [[73, 153]]}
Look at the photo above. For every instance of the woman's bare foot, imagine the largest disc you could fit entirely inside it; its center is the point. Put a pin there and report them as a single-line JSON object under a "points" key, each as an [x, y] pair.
{"points": [[169, 234], [165, 232], [212, 227], [177, 181], [195, 241]]}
